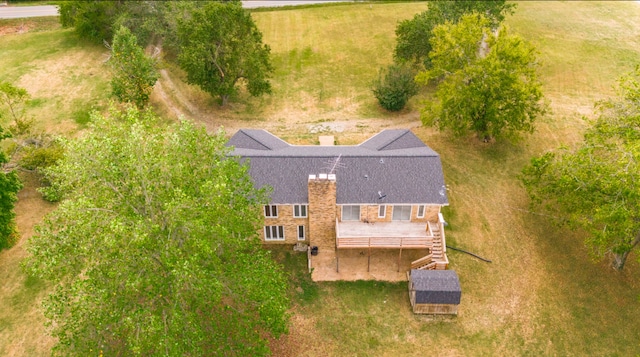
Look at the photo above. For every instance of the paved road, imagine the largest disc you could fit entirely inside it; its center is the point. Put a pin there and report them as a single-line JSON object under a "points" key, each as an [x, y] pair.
{"points": [[13, 12]]}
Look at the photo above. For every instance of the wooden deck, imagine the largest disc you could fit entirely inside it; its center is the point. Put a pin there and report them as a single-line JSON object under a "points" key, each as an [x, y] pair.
{"points": [[390, 235], [423, 245]]}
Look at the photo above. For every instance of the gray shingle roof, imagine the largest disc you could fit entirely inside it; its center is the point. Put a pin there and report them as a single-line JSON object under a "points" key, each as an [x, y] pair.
{"points": [[394, 162], [436, 286]]}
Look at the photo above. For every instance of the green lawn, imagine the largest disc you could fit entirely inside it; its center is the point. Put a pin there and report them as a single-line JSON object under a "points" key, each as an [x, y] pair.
{"points": [[541, 295]]}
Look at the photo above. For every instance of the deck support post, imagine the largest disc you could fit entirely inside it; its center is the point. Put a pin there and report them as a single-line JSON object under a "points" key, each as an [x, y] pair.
{"points": [[399, 258], [337, 261], [369, 259]]}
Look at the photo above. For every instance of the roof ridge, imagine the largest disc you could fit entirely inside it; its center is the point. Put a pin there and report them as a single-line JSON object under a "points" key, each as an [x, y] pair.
{"points": [[403, 133], [246, 132], [258, 140]]}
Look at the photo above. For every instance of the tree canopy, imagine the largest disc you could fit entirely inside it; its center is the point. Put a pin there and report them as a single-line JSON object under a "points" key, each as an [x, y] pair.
{"points": [[488, 80], [12, 99], [153, 248], [98, 20], [134, 74], [216, 43], [596, 186], [413, 36], [9, 186], [220, 46], [92, 19]]}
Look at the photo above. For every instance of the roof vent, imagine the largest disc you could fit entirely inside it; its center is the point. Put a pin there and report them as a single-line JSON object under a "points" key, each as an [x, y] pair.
{"points": [[381, 160]]}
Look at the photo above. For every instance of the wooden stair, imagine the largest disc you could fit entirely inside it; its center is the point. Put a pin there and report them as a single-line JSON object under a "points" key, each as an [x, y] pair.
{"points": [[437, 260], [424, 263]]}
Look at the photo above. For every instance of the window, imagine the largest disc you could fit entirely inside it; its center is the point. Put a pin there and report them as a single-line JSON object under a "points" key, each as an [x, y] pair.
{"points": [[300, 211], [382, 211], [273, 233], [271, 211], [301, 233], [351, 213], [401, 213], [421, 211]]}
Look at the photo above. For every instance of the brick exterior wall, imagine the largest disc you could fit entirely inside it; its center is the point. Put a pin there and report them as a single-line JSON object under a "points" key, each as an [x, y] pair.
{"points": [[322, 211], [370, 213], [285, 218], [430, 214]]}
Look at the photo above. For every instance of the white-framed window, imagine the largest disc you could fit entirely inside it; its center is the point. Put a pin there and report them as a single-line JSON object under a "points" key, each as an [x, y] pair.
{"points": [[401, 213], [420, 211], [301, 235], [300, 211], [350, 213], [273, 233], [382, 211], [271, 211]]}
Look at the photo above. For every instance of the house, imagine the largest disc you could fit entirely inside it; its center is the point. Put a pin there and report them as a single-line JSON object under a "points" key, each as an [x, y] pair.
{"points": [[385, 193]]}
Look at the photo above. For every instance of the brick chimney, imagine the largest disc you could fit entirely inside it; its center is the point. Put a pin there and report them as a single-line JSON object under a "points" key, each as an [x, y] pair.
{"points": [[322, 211]]}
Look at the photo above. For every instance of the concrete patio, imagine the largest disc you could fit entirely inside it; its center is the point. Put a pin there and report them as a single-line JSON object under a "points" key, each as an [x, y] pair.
{"points": [[353, 264]]}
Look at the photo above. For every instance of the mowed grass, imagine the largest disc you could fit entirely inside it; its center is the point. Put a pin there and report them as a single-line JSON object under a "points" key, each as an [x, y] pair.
{"points": [[327, 57], [541, 295]]}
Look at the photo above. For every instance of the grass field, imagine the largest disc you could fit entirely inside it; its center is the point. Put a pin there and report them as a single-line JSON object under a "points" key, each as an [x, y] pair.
{"points": [[541, 295]]}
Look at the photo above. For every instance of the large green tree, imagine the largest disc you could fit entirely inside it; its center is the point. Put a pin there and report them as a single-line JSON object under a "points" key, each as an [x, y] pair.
{"points": [[414, 35], [153, 248], [134, 73], [596, 186], [9, 186], [488, 81], [221, 47]]}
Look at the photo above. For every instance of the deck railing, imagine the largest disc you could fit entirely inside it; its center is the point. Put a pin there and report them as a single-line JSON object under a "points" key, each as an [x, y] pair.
{"points": [[425, 241], [384, 242]]}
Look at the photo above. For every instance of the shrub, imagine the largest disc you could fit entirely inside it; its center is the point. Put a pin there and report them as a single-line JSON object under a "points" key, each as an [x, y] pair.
{"points": [[395, 86], [35, 158]]}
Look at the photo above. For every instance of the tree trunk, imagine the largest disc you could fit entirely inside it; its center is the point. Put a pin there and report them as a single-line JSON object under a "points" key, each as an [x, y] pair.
{"points": [[224, 99], [620, 258]]}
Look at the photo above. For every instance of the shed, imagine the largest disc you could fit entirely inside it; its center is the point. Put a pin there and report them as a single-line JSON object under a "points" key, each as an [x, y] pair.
{"points": [[434, 291]]}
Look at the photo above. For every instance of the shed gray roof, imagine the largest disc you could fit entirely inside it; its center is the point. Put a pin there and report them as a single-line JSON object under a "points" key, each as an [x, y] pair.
{"points": [[436, 286], [394, 162]]}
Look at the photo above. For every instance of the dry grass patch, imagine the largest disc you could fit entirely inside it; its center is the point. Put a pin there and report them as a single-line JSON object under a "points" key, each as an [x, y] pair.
{"points": [[65, 77], [34, 24]]}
